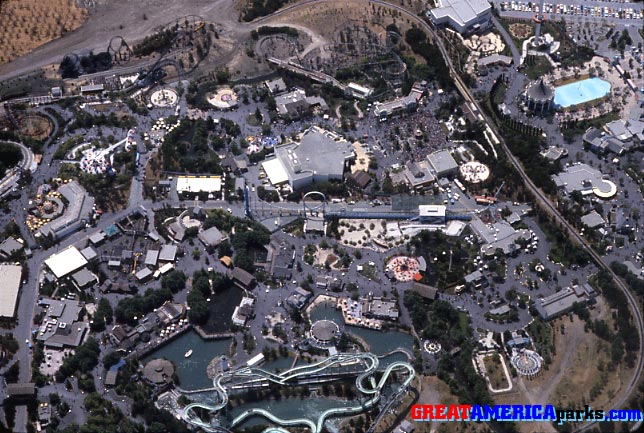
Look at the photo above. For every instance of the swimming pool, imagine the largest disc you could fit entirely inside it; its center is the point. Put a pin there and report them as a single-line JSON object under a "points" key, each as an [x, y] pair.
{"points": [[581, 91]]}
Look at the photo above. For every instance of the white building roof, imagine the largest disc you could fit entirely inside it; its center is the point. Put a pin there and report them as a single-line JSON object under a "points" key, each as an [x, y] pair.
{"points": [[197, 184], [168, 253], [431, 210], [10, 276], [275, 171], [364, 91], [319, 155], [460, 12], [66, 262]]}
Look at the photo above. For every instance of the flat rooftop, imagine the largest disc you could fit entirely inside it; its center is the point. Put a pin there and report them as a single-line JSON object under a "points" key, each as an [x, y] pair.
{"points": [[10, 276], [585, 179], [442, 162], [318, 153], [199, 184], [462, 12], [65, 262]]}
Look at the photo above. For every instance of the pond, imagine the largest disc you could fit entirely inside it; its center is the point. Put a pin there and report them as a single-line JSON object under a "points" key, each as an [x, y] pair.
{"points": [[379, 342], [191, 371]]}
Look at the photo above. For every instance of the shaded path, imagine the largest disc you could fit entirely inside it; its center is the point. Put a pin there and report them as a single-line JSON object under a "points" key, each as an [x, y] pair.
{"points": [[516, 56]]}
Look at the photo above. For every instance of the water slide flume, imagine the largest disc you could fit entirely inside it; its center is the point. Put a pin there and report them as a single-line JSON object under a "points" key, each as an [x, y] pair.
{"points": [[253, 376]]}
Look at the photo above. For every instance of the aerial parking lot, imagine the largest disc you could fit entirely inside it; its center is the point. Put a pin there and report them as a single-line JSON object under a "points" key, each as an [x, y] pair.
{"points": [[624, 11]]}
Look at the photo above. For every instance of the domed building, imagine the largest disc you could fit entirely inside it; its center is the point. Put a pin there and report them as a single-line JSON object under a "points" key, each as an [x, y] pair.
{"points": [[324, 333], [540, 96], [158, 372]]}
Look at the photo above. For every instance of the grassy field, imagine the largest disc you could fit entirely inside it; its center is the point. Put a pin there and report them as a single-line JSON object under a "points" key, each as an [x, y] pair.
{"points": [[495, 372], [537, 66], [27, 24]]}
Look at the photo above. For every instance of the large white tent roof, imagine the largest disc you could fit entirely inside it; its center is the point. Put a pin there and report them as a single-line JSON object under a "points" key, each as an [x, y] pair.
{"points": [[66, 262], [275, 171]]}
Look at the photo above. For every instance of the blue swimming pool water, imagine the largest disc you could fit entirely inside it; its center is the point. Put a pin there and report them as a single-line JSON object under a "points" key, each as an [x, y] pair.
{"points": [[581, 91]]}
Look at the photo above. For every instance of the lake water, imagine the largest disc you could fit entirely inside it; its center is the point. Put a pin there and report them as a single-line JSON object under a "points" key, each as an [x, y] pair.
{"points": [[581, 91], [380, 342], [192, 370]]}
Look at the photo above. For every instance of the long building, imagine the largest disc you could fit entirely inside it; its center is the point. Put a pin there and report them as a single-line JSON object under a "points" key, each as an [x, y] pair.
{"points": [[563, 301], [401, 105], [464, 16], [78, 209], [320, 156], [10, 276]]}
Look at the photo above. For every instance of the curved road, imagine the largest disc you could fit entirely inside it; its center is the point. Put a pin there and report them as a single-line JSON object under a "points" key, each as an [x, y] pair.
{"points": [[13, 175]]}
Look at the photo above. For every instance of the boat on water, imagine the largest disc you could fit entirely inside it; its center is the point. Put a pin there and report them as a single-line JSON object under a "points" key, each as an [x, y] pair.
{"points": [[188, 353]]}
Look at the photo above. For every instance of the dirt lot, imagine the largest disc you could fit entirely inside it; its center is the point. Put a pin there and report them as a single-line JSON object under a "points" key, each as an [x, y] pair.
{"points": [[125, 18], [435, 391], [27, 24], [135, 20], [581, 362]]}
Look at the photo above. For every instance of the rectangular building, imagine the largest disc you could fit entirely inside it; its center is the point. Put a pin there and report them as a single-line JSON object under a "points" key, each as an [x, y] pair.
{"points": [[211, 237], [168, 253], [243, 279], [296, 104], [197, 184], [380, 308], [65, 262], [358, 91], [443, 163], [432, 214], [563, 301], [10, 275], [151, 258], [404, 104], [61, 326], [243, 311], [418, 175], [10, 246]]}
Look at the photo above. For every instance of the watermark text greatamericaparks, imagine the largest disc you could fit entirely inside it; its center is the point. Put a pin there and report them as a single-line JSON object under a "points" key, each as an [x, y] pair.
{"points": [[543, 413]]}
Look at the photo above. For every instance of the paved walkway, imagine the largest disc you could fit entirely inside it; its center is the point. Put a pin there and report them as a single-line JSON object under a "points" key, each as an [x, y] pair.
{"points": [[516, 56]]}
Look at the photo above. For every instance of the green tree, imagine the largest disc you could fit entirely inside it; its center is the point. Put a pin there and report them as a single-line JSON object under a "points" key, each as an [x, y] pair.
{"points": [[174, 281]]}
